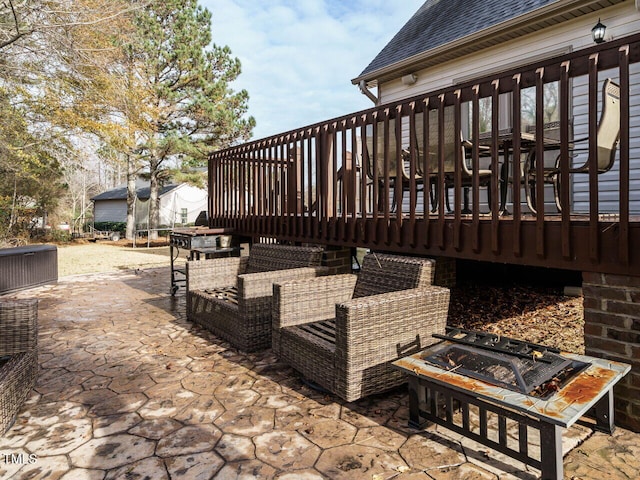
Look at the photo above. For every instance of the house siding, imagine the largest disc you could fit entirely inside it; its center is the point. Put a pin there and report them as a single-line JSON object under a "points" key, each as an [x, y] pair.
{"points": [[193, 199], [621, 20], [608, 183], [171, 204], [110, 211]]}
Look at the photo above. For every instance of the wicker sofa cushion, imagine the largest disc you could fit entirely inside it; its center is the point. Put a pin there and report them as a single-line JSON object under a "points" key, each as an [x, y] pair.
{"points": [[266, 257], [383, 273]]}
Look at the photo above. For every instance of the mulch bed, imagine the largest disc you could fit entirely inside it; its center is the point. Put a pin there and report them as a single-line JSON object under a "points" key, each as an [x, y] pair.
{"points": [[534, 314]]}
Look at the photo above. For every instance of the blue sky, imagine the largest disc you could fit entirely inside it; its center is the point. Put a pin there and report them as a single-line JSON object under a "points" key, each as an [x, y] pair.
{"points": [[298, 57]]}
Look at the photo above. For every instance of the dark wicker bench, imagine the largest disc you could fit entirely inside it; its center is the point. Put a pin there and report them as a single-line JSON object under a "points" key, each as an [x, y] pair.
{"points": [[231, 297], [18, 356]]}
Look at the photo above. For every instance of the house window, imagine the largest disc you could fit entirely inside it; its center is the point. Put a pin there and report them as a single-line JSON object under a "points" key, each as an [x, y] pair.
{"points": [[485, 112], [183, 216], [528, 99], [551, 110]]}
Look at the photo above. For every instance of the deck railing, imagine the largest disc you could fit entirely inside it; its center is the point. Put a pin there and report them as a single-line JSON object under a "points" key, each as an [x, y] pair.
{"points": [[364, 179]]}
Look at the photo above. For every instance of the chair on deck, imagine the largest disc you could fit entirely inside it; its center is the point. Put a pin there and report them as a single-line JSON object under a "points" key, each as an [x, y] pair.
{"points": [[449, 170], [484, 175], [342, 332], [608, 136], [376, 162], [231, 297]]}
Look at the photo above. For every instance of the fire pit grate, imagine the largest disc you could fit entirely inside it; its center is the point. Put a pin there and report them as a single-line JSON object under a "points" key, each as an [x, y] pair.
{"points": [[523, 367], [496, 343], [438, 388]]}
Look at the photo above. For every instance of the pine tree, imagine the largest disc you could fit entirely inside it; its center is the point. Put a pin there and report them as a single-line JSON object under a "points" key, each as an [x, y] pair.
{"points": [[188, 79]]}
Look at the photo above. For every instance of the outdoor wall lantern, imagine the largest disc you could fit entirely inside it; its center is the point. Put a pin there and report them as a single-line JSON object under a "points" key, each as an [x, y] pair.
{"points": [[598, 32], [409, 79]]}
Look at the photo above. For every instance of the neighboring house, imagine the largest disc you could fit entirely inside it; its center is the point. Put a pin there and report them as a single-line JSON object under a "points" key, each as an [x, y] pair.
{"points": [[179, 204], [454, 41]]}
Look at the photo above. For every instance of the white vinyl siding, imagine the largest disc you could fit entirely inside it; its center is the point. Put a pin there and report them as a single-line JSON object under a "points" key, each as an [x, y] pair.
{"points": [[621, 20], [609, 182], [186, 197]]}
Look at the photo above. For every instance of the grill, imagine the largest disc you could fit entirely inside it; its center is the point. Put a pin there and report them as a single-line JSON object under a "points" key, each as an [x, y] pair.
{"points": [[191, 239], [475, 383], [523, 367]]}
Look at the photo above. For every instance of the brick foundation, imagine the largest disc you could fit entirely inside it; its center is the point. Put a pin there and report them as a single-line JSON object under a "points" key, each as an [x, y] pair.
{"points": [[612, 330], [445, 272], [338, 259]]}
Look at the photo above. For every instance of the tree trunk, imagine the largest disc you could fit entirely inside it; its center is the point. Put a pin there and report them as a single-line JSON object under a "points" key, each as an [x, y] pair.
{"points": [[12, 218], [154, 201], [131, 198]]}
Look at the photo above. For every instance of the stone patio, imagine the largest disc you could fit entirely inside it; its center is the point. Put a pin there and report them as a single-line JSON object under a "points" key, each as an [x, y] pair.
{"points": [[129, 389]]}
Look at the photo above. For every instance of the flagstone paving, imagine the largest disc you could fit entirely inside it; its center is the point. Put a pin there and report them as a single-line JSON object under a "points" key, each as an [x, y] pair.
{"points": [[128, 388]]}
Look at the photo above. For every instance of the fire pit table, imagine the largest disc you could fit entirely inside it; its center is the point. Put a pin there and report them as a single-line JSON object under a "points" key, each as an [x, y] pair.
{"points": [[533, 386]]}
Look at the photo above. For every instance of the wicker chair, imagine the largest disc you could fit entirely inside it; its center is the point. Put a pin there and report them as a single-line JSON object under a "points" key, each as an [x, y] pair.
{"points": [[341, 332], [18, 356], [231, 297]]}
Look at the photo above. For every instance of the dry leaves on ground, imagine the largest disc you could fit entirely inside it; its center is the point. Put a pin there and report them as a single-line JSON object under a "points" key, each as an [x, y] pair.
{"points": [[533, 314]]}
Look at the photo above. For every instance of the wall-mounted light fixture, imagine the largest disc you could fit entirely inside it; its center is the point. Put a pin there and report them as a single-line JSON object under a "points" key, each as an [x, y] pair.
{"points": [[409, 79], [598, 32]]}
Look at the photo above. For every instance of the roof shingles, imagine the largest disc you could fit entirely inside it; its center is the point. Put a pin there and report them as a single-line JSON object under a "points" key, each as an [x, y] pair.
{"points": [[439, 22], [142, 193]]}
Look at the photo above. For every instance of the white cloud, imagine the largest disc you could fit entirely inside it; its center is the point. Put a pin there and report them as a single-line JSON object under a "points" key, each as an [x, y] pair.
{"points": [[298, 57]]}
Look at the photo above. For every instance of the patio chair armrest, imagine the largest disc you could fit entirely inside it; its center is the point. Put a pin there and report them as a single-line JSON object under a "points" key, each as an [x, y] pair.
{"points": [[574, 153], [312, 300], [254, 285], [214, 273], [469, 144], [578, 140], [391, 324]]}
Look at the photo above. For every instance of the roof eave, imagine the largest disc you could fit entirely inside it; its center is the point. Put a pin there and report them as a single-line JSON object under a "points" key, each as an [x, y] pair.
{"points": [[516, 27]]}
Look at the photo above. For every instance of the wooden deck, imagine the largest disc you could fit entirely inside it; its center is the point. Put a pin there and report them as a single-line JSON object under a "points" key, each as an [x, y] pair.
{"points": [[522, 245], [321, 183]]}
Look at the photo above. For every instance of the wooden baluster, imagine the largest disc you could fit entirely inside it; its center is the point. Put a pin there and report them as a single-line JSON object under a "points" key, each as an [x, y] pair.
{"points": [[539, 187], [564, 162], [475, 154], [426, 169], [516, 170], [495, 195], [623, 232], [594, 221]]}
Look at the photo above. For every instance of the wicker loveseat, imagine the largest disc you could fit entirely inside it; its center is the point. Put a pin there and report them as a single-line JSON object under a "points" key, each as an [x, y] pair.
{"points": [[231, 297], [18, 356], [342, 332]]}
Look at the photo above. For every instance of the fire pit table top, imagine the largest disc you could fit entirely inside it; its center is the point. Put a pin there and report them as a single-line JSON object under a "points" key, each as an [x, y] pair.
{"points": [[563, 408]]}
